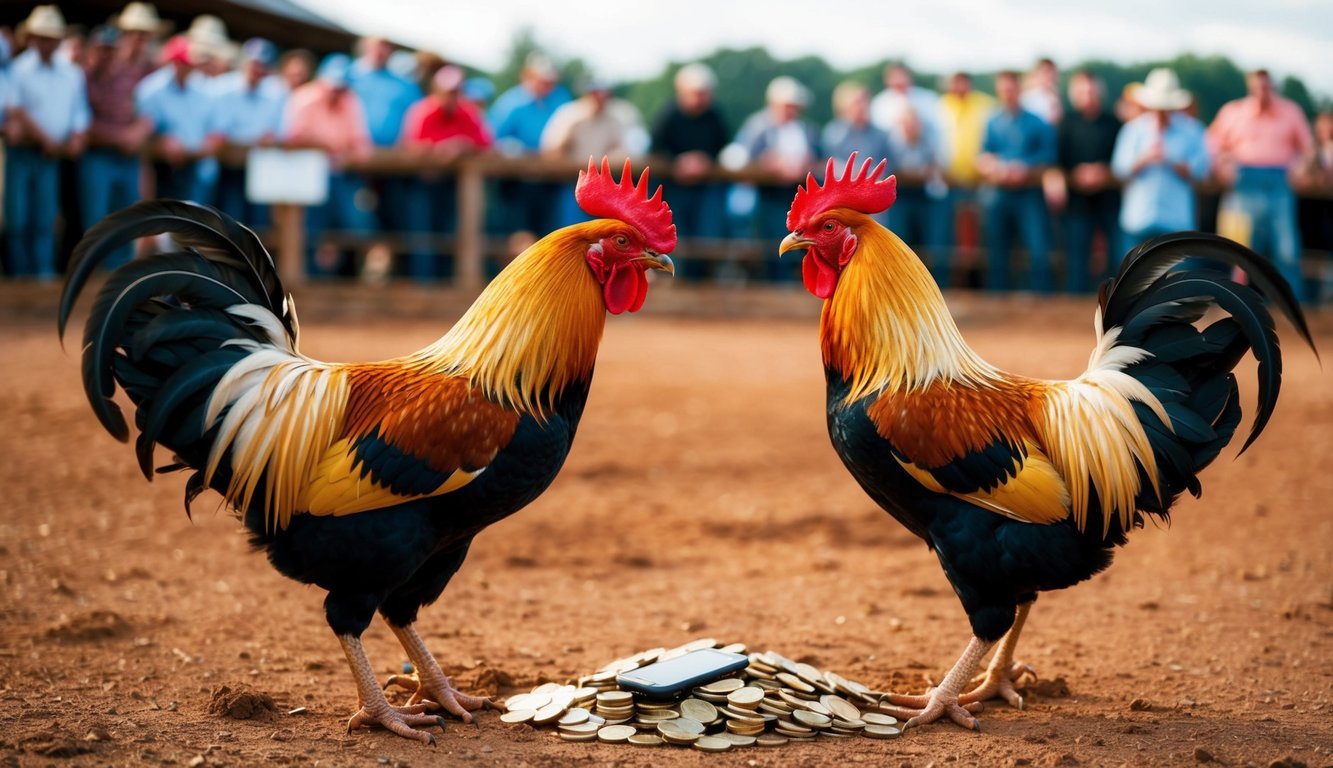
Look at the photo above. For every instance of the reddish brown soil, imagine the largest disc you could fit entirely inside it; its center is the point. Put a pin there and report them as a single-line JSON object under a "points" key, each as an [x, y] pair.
{"points": [[701, 498]]}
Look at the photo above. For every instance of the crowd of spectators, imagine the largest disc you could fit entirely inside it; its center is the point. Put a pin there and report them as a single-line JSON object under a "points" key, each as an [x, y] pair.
{"points": [[1049, 189]]}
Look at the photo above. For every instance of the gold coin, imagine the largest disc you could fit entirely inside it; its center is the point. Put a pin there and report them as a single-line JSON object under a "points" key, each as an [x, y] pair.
{"points": [[614, 734], [840, 707], [615, 697], [592, 728], [747, 697], [723, 686], [645, 740], [848, 725], [794, 682], [547, 688], [549, 713], [700, 644], [689, 725], [696, 709], [790, 727], [811, 719], [882, 731], [734, 648], [575, 716], [712, 744], [527, 701], [567, 736], [517, 716], [879, 718], [770, 740], [737, 739]]}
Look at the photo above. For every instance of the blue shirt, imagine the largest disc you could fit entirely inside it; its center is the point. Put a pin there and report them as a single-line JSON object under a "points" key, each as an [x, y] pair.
{"points": [[1157, 198], [183, 113], [519, 117], [1019, 137], [53, 95], [840, 139], [385, 97], [243, 114]]}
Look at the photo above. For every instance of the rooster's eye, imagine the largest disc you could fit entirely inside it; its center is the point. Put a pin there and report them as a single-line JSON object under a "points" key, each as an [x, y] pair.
{"points": [[621, 241], [829, 226]]}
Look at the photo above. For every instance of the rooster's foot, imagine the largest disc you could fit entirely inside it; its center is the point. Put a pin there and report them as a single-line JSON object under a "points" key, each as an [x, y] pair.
{"points": [[998, 683], [399, 720], [437, 692], [931, 706]]}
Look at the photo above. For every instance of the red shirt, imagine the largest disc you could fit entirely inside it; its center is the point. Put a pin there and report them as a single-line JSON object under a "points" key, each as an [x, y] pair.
{"points": [[428, 122]]}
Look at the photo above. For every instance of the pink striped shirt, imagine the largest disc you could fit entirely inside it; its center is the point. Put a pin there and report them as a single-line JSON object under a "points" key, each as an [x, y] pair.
{"points": [[1276, 137]]}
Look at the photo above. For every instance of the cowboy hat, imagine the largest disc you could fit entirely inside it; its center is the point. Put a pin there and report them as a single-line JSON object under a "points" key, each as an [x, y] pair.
{"points": [[1161, 91], [45, 21], [140, 17]]}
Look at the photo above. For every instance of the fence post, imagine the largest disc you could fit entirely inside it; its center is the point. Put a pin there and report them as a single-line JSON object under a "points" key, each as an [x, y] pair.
{"points": [[289, 220], [471, 255]]}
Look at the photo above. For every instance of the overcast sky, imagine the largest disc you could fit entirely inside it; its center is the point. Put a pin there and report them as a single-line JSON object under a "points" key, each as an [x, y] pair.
{"points": [[629, 39]]}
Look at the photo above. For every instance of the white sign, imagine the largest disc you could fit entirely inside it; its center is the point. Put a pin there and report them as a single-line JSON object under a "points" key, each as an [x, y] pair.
{"points": [[297, 176]]}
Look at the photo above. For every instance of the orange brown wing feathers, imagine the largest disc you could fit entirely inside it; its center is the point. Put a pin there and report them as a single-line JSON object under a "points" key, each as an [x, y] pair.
{"points": [[979, 443]]}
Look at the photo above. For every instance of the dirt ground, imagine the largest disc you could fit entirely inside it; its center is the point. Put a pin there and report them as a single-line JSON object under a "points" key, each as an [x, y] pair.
{"points": [[702, 498]]}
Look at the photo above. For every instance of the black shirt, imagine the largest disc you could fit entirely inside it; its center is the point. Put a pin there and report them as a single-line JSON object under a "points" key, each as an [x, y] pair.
{"points": [[675, 133], [1087, 140]]}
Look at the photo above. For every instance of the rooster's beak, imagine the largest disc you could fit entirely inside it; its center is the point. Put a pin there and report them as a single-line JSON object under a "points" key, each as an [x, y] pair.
{"points": [[658, 261], [793, 242]]}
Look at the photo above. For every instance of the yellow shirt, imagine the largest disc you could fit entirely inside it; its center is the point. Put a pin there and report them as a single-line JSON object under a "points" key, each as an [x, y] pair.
{"points": [[964, 127]]}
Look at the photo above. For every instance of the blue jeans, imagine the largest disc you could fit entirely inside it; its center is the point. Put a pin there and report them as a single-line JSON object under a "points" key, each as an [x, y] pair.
{"points": [[1011, 211], [1264, 194], [340, 212], [699, 210], [108, 182], [432, 209], [1081, 223], [233, 202], [32, 200], [182, 182], [921, 221]]}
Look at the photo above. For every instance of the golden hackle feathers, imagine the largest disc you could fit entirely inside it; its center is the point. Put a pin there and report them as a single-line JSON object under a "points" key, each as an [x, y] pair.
{"points": [[887, 327]]}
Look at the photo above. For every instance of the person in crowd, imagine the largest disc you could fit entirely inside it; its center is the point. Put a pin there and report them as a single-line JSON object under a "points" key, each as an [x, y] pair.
{"points": [[851, 130], [46, 119], [247, 112], [109, 176], [900, 92], [1257, 142], [779, 140], [1085, 141], [214, 50], [385, 96], [479, 91], [1041, 92], [964, 112], [690, 131], [596, 124], [325, 114], [920, 214], [295, 68], [442, 125], [1016, 149], [518, 117], [1158, 158], [180, 109]]}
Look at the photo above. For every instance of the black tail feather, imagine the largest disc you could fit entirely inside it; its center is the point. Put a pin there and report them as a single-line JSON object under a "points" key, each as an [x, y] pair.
{"points": [[216, 236]]}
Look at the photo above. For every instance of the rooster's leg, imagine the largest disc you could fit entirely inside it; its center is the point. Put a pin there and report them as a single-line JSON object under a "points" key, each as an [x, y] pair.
{"points": [[1003, 672], [375, 709], [429, 681], [943, 698]]}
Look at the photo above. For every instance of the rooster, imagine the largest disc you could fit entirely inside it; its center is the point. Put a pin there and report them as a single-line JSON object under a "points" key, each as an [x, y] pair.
{"points": [[1021, 485], [369, 480]]}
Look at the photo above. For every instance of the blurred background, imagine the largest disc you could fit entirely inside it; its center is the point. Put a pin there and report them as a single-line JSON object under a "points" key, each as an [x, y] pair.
{"points": [[1034, 142]]}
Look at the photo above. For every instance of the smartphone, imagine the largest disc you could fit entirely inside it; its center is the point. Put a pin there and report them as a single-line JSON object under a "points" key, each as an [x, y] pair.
{"points": [[665, 679]]}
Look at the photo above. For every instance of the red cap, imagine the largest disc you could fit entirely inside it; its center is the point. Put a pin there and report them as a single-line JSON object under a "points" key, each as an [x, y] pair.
{"points": [[598, 194], [178, 51], [862, 193]]}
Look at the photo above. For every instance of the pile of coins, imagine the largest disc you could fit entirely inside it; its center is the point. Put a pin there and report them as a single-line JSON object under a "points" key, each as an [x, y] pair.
{"points": [[771, 702]]}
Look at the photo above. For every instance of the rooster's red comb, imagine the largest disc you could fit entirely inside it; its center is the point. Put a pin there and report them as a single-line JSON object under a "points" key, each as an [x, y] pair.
{"points": [[864, 192], [598, 194]]}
